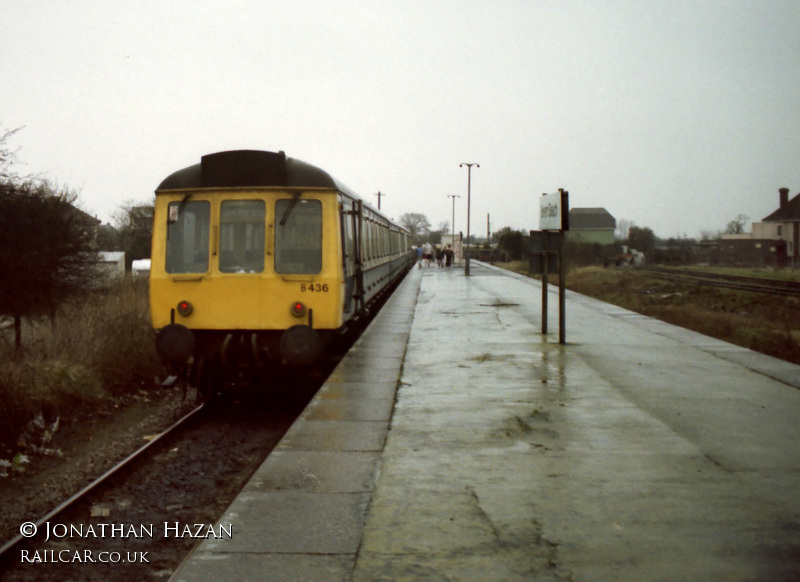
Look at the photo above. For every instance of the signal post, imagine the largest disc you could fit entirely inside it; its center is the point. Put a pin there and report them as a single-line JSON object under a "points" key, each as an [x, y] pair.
{"points": [[547, 252]]}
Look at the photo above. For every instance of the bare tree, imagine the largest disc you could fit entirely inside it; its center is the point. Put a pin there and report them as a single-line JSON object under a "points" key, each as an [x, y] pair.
{"points": [[642, 239], [134, 226], [8, 156], [417, 224], [513, 242], [623, 228], [736, 226]]}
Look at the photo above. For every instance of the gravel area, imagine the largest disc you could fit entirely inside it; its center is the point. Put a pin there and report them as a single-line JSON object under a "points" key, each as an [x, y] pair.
{"points": [[189, 479], [88, 447]]}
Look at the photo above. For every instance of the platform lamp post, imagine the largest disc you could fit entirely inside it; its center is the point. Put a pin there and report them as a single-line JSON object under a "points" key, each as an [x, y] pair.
{"points": [[469, 186], [453, 233]]}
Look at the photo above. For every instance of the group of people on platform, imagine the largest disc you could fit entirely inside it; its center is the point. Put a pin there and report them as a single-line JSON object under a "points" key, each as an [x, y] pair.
{"points": [[426, 253]]}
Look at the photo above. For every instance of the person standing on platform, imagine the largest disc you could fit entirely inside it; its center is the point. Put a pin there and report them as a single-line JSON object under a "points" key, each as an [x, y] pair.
{"points": [[448, 255], [427, 254]]}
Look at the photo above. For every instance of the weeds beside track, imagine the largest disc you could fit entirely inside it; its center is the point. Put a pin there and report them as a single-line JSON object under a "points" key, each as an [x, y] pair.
{"points": [[765, 322], [737, 282]]}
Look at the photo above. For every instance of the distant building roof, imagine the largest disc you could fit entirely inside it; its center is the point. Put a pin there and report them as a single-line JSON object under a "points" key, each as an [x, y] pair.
{"points": [[84, 217], [788, 212], [591, 218]]}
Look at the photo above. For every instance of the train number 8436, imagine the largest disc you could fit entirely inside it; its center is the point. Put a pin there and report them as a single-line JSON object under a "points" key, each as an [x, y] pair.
{"points": [[312, 288]]}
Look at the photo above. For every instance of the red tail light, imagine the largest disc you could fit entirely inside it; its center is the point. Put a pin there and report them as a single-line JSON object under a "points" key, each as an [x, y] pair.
{"points": [[185, 308], [298, 309]]}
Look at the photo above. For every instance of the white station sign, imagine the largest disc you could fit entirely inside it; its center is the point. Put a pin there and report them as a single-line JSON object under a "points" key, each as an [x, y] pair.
{"points": [[551, 211]]}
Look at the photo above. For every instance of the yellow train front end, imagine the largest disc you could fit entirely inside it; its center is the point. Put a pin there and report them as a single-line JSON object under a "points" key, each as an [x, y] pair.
{"points": [[246, 265]]}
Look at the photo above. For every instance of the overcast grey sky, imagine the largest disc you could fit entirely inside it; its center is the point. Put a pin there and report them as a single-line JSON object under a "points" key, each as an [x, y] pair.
{"points": [[677, 115]]}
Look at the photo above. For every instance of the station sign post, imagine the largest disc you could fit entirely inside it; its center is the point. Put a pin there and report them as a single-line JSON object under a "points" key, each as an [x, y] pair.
{"points": [[547, 252]]}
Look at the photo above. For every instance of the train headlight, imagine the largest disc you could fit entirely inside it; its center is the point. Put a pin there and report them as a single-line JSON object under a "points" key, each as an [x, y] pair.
{"points": [[298, 309], [185, 308]]}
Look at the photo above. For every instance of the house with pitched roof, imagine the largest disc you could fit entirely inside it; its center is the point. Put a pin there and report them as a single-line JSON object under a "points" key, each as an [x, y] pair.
{"points": [[783, 225], [591, 225]]}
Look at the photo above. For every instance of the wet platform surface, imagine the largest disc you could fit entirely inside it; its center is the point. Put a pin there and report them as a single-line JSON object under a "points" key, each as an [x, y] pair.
{"points": [[455, 442]]}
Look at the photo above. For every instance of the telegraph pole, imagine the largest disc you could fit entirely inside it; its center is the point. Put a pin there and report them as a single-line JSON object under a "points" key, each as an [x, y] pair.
{"points": [[379, 199], [469, 188], [454, 196]]}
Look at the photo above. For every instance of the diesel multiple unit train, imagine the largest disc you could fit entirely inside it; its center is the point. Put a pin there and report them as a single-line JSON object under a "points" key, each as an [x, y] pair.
{"points": [[261, 259]]}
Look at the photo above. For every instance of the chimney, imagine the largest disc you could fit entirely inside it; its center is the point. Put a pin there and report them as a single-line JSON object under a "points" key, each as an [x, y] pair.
{"points": [[784, 196]]}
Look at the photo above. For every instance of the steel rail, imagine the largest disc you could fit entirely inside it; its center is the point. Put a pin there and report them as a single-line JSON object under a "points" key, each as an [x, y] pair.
{"points": [[12, 543], [738, 282], [744, 278]]}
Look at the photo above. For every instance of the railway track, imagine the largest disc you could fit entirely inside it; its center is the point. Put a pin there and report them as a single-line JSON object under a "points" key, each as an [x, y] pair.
{"points": [[157, 497], [7, 548], [737, 282]]}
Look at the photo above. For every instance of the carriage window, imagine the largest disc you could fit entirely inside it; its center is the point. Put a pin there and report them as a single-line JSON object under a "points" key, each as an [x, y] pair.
{"points": [[187, 237], [241, 236], [298, 236]]}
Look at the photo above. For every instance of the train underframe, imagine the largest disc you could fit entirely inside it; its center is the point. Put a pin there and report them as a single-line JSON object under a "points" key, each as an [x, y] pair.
{"points": [[223, 359], [215, 360]]}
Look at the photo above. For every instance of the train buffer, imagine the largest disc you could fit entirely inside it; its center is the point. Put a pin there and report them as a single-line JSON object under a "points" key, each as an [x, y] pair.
{"points": [[456, 442]]}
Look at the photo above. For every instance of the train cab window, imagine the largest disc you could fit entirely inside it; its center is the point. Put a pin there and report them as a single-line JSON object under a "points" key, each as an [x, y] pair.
{"points": [[241, 236], [298, 236], [187, 236]]}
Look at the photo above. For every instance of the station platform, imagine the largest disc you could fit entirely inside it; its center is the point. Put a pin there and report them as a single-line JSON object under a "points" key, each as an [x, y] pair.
{"points": [[456, 442]]}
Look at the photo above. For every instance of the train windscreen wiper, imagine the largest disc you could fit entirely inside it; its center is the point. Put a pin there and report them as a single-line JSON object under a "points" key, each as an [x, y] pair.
{"points": [[292, 204], [173, 218]]}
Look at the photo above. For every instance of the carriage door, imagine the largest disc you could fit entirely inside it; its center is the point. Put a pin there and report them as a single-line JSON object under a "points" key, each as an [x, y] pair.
{"points": [[348, 252], [357, 222]]}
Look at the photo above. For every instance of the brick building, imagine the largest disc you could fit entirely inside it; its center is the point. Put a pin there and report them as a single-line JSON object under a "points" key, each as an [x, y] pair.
{"points": [[783, 225]]}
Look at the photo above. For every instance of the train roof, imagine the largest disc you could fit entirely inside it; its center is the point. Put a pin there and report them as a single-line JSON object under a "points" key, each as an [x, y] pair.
{"points": [[239, 168], [254, 168]]}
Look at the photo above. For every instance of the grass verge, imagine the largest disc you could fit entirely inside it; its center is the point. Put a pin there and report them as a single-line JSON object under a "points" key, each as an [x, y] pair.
{"points": [[97, 349], [764, 323]]}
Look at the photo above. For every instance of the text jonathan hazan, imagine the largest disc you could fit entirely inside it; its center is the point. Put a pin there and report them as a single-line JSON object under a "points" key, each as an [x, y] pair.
{"points": [[174, 529]]}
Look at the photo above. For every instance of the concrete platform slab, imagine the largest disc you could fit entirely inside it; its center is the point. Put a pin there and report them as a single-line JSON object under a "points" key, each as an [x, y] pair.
{"points": [[348, 472]]}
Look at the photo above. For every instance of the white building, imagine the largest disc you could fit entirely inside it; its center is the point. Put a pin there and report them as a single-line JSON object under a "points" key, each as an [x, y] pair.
{"points": [[110, 266]]}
